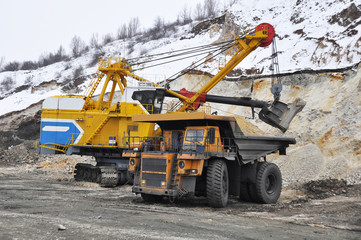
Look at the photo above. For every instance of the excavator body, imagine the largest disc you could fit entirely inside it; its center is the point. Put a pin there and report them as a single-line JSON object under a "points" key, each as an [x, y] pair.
{"points": [[68, 129]]}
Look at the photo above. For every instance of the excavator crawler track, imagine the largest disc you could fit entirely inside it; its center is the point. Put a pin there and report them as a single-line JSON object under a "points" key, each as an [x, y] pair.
{"points": [[105, 176], [109, 176]]}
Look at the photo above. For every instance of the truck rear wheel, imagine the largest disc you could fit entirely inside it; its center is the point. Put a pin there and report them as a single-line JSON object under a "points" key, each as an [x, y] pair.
{"points": [[151, 198], [248, 192], [217, 183], [268, 183]]}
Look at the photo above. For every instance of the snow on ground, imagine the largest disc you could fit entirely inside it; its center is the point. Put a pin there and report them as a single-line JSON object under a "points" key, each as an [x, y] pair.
{"points": [[23, 99], [306, 38]]}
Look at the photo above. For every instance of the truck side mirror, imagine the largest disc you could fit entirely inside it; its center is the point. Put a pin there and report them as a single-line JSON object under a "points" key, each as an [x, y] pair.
{"points": [[211, 135]]}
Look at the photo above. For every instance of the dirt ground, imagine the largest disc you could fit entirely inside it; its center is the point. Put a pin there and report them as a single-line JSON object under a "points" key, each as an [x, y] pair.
{"points": [[44, 202]]}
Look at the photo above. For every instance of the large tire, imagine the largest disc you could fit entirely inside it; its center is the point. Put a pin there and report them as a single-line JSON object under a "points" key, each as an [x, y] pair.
{"points": [[130, 178], [268, 183], [122, 178], [248, 191], [151, 198], [252, 191], [217, 183]]}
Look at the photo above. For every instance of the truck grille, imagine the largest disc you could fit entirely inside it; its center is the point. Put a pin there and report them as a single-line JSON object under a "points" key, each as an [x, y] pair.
{"points": [[154, 171], [154, 164], [153, 179]]}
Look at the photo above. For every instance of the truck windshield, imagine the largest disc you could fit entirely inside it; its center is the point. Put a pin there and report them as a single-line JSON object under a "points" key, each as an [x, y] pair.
{"points": [[194, 135]]}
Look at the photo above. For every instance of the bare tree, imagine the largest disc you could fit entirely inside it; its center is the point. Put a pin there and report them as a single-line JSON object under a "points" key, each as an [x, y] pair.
{"points": [[12, 66], [133, 27], [2, 62], [158, 24], [94, 40], [77, 46], [29, 65], [107, 38], [7, 83], [48, 58], [210, 8], [135, 23], [130, 30], [185, 15], [60, 55], [199, 12], [122, 32]]}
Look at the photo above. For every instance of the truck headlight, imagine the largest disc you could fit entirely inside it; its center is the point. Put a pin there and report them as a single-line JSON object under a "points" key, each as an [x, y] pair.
{"points": [[181, 164]]}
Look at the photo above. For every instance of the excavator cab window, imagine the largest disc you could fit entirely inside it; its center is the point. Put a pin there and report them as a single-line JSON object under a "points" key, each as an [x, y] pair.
{"points": [[158, 101], [152, 100]]}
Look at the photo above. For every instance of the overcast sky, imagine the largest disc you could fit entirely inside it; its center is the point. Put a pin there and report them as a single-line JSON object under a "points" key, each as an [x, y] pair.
{"points": [[29, 28]]}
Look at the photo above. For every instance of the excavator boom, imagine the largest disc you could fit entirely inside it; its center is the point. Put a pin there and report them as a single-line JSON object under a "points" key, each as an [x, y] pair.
{"points": [[277, 114], [262, 36]]}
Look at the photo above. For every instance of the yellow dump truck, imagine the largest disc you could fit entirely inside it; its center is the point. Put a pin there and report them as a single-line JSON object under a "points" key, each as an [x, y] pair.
{"points": [[200, 154]]}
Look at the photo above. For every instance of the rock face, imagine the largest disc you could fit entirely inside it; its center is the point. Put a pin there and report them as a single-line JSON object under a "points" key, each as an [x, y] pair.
{"points": [[25, 152], [19, 133], [301, 164]]}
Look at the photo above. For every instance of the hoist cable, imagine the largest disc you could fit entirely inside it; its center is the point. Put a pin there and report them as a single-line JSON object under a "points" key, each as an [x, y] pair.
{"points": [[195, 65], [180, 50], [178, 59], [200, 52]]}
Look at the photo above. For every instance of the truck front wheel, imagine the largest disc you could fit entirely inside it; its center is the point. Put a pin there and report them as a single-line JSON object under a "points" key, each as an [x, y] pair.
{"points": [[268, 183], [217, 183]]}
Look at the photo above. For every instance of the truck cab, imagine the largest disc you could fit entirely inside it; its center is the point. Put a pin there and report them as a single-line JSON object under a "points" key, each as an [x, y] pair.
{"points": [[202, 139]]}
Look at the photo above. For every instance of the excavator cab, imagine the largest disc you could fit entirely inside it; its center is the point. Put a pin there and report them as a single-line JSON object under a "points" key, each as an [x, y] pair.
{"points": [[150, 99]]}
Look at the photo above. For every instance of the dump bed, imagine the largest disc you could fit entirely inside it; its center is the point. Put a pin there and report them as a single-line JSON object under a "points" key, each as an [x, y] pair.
{"points": [[252, 147], [248, 148]]}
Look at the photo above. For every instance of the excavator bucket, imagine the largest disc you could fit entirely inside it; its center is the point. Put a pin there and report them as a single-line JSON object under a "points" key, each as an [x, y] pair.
{"points": [[280, 114]]}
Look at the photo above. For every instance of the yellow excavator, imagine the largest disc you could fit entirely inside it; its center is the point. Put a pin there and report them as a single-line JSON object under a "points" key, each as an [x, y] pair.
{"points": [[97, 123]]}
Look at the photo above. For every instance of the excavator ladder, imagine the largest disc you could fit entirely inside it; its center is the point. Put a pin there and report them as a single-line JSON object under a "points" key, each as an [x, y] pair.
{"points": [[63, 148]]}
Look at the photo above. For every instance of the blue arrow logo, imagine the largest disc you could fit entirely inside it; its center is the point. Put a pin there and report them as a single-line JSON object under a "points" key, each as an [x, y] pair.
{"points": [[59, 131]]}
